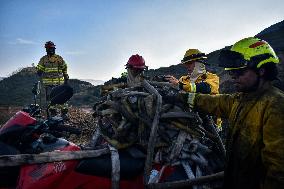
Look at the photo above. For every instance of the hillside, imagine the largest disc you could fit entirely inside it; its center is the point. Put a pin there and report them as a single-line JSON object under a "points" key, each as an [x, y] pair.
{"points": [[93, 81], [16, 90]]}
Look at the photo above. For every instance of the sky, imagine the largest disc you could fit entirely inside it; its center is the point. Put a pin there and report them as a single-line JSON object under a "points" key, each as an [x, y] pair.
{"points": [[97, 37]]}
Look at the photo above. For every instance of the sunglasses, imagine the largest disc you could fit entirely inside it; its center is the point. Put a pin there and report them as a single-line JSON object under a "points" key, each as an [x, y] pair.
{"points": [[237, 72]]}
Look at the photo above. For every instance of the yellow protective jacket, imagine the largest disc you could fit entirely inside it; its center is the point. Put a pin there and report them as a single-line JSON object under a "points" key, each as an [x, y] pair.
{"points": [[53, 68], [255, 143], [207, 83]]}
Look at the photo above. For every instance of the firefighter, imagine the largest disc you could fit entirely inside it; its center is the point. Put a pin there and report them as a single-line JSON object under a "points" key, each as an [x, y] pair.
{"points": [[255, 152], [135, 70], [52, 70], [134, 74], [198, 80]]}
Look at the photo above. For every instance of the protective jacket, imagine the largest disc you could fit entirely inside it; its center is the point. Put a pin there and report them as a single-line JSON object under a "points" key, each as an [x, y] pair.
{"points": [[255, 143], [53, 69], [207, 83]]}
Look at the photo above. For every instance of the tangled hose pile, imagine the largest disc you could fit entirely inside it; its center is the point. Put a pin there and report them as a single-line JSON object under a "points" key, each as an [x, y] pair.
{"points": [[128, 116]]}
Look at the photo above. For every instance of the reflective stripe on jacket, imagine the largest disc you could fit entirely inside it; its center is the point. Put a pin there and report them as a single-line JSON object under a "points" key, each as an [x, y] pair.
{"points": [[53, 68], [255, 143]]}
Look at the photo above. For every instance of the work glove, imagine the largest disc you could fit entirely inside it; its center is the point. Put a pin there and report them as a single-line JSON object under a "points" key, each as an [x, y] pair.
{"points": [[66, 78], [188, 87], [39, 73], [181, 97]]}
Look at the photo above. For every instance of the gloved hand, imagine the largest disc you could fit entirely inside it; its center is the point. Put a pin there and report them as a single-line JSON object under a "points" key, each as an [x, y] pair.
{"points": [[39, 73], [66, 78], [181, 97], [188, 87]]}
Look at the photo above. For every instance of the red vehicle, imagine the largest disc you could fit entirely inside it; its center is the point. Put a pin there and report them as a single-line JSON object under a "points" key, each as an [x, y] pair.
{"points": [[25, 134]]}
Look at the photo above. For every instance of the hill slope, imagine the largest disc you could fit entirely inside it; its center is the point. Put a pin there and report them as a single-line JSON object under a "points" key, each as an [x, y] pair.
{"points": [[16, 89]]}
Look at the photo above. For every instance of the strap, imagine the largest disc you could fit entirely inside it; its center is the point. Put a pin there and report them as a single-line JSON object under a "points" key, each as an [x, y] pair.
{"points": [[95, 137], [188, 169], [115, 162], [190, 173], [178, 145]]}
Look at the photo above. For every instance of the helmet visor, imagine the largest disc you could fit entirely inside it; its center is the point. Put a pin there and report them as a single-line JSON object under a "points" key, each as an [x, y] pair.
{"points": [[231, 60]]}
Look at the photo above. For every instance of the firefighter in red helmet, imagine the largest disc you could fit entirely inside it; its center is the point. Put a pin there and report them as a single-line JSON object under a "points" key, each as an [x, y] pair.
{"points": [[52, 70], [51, 67], [135, 69]]}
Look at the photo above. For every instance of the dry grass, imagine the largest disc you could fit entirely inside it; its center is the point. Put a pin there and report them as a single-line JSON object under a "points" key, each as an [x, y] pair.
{"points": [[84, 120]]}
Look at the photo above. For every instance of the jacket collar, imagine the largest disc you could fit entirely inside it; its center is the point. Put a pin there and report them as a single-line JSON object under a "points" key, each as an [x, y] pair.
{"points": [[257, 93]]}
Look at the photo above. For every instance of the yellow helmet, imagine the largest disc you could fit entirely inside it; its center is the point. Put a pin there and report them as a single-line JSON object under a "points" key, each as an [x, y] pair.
{"points": [[193, 55], [249, 52]]}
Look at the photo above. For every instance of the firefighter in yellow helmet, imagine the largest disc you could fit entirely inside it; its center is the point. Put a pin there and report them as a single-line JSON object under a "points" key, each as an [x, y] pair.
{"points": [[255, 141], [198, 80], [52, 69]]}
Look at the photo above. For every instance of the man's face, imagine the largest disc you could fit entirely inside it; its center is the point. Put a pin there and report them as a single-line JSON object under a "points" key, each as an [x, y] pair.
{"points": [[50, 51], [190, 66], [135, 72], [245, 80]]}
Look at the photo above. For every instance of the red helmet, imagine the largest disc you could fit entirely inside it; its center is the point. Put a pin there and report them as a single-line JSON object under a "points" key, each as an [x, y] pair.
{"points": [[49, 44], [137, 62]]}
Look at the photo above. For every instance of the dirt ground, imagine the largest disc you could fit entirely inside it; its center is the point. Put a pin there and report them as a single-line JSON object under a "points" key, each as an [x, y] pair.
{"points": [[82, 118], [79, 117]]}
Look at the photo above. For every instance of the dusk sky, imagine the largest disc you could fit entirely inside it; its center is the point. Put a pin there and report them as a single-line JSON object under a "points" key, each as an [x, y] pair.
{"points": [[96, 37]]}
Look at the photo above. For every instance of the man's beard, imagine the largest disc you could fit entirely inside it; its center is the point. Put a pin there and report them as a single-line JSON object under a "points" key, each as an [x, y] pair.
{"points": [[249, 89]]}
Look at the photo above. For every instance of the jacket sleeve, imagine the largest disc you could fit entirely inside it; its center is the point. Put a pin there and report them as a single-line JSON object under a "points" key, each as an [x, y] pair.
{"points": [[184, 84], [63, 66], [273, 151], [40, 66], [218, 105]]}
